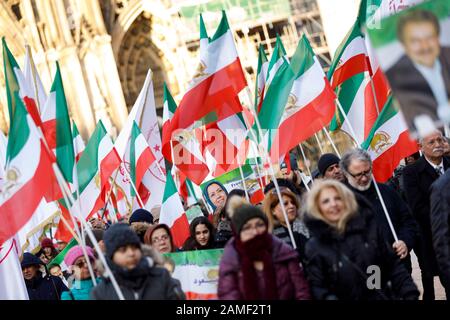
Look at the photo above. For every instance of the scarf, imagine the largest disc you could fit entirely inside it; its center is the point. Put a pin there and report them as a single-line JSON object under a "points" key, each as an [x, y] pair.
{"points": [[257, 249]]}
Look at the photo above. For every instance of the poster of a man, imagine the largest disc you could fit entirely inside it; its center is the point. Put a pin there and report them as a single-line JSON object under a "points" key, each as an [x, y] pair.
{"points": [[416, 59], [421, 78]]}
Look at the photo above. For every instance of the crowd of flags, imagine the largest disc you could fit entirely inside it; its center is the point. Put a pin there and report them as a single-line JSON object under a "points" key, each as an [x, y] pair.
{"points": [[293, 100]]}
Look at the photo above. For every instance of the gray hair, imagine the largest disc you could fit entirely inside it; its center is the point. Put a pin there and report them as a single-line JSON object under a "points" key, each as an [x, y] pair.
{"points": [[354, 154]]}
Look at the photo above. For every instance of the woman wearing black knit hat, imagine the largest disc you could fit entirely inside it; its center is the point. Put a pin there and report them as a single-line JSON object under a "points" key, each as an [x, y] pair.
{"points": [[137, 276], [256, 265]]}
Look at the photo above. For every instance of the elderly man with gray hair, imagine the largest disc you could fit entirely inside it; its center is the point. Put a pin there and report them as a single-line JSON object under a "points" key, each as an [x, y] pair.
{"points": [[356, 165], [417, 180]]}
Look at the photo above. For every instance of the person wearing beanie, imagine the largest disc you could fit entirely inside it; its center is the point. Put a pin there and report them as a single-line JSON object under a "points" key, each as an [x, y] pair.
{"points": [[328, 166], [136, 275], [40, 286], [256, 265], [140, 221], [47, 252], [82, 284]]}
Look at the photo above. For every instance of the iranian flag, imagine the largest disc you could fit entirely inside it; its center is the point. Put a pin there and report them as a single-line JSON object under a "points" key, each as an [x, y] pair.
{"points": [[12, 284], [97, 163], [78, 143], [279, 82], [144, 114], [198, 272], [141, 157], [56, 127], [13, 78], [389, 141], [169, 107], [214, 90], [28, 176], [261, 74], [354, 74], [310, 105], [172, 213]]}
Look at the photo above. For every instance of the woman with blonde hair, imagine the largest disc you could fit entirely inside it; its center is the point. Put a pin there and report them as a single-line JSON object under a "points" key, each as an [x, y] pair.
{"points": [[347, 256], [277, 221]]}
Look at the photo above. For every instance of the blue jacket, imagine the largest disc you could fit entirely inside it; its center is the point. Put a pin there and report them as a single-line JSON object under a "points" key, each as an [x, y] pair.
{"points": [[80, 290]]}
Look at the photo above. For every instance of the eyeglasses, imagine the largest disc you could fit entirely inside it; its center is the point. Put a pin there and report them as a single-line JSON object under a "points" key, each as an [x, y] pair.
{"points": [[80, 264], [361, 174], [162, 238]]}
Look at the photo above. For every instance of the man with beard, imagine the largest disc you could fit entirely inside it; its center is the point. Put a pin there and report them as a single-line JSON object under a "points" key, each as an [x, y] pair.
{"points": [[417, 179], [356, 165], [328, 166]]}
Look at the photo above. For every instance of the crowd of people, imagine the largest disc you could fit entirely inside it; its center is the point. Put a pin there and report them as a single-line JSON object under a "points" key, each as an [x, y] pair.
{"points": [[342, 236]]}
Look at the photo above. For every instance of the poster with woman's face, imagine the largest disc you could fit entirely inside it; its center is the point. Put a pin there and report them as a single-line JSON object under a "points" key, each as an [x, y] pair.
{"points": [[413, 49]]}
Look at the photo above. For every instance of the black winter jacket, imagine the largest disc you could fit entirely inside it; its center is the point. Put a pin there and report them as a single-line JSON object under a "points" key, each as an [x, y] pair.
{"points": [[341, 266], [144, 282], [46, 287], [440, 226]]}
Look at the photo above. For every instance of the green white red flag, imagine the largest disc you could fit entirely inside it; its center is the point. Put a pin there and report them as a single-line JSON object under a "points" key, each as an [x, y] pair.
{"points": [[389, 141], [172, 213], [28, 173]]}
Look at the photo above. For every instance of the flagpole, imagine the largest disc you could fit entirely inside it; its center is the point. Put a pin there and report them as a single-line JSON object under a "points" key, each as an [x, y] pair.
{"points": [[305, 160], [33, 74], [331, 141], [243, 180], [272, 173], [352, 131], [110, 191], [134, 187], [83, 243], [318, 143], [90, 234], [388, 218]]}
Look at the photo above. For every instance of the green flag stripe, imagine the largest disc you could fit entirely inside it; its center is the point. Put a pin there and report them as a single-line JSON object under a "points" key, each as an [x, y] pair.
{"points": [[64, 141], [19, 131], [203, 32], [135, 132], [11, 82], [170, 188], [346, 93], [58, 260], [303, 58], [170, 101], [222, 28], [87, 166]]}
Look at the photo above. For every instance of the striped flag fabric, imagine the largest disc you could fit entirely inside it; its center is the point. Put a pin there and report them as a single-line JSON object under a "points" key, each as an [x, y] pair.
{"points": [[389, 141], [28, 174], [198, 272], [172, 212]]}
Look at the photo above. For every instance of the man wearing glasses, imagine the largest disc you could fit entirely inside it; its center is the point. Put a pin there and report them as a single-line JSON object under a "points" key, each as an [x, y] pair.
{"points": [[418, 178], [357, 167]]}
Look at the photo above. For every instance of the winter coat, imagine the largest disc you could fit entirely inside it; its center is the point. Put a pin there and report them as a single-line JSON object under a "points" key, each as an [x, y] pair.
{"points": [[290, 281], [300, 233], [80, 290], [417, 179], [46, 287], [144, 282], [339, 265], [440, 226], [404, 223]]}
